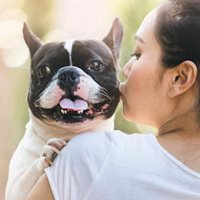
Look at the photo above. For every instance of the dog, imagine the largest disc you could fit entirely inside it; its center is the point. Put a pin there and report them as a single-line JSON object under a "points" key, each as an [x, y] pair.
{"points": [[73, 89]]}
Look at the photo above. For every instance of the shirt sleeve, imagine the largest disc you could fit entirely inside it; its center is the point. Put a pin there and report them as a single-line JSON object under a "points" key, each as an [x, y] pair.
{"points": [[74, 170]]}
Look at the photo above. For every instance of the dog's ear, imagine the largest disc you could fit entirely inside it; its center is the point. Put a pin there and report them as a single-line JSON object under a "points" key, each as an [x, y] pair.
{"points": [[114, 37], [32, 41]]}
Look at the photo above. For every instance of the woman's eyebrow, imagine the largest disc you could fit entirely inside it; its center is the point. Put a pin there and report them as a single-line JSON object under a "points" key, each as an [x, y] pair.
{"points": [[139, 39]]}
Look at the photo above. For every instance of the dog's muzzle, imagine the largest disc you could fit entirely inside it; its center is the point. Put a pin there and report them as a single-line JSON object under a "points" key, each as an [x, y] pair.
{"points": [[74, 96]]}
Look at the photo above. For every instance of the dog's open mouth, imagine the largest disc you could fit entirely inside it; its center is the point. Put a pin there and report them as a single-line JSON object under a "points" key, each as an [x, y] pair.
{"points": [[80, 106], [79, 110]]}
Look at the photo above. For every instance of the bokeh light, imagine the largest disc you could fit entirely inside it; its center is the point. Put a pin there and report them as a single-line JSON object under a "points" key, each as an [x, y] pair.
{"points": [[15, 52]]}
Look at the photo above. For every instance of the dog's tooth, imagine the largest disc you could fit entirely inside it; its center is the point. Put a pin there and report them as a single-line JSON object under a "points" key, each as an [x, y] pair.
{"points": [[80, 111], [62, 111]]}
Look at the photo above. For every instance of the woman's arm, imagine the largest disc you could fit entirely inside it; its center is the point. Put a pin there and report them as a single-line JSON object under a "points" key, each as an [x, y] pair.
{"points": [[41, 190]]}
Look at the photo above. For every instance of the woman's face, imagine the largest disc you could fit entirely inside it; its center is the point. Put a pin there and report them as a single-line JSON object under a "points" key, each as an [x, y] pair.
{"points": [[143, 92]]}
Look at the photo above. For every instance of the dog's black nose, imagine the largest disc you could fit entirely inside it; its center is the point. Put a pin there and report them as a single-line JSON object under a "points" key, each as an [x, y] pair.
{"points": [[69, 77]]}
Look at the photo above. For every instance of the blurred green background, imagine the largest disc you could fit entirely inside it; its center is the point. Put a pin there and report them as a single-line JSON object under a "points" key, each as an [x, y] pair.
{"points": [[54, 20]]}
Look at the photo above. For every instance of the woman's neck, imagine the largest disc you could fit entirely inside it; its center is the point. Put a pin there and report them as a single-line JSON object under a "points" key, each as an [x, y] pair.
{"points": [[184, 124], [180, 136]]}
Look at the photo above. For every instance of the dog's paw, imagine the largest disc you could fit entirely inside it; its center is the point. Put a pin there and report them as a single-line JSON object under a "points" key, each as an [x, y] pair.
{"points": [[51, 150]]}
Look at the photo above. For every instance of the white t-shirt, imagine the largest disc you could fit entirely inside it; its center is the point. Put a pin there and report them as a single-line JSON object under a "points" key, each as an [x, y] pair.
{"points": [[117, 166]]}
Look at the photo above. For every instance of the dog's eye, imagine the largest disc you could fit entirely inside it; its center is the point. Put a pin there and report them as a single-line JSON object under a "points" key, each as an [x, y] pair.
{"points": [[96, 66], [44, 71]]}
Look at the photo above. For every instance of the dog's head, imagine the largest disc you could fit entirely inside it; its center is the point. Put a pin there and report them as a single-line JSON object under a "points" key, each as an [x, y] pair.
{"points": [[74, 81]]}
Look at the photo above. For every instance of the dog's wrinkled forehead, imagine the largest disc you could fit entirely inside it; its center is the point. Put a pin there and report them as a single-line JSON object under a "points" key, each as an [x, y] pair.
{"points": [[73, 53], [83, 52]]}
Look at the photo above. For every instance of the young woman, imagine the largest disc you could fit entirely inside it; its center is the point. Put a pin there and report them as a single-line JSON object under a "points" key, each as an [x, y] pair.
{"points": [[162, 89]]}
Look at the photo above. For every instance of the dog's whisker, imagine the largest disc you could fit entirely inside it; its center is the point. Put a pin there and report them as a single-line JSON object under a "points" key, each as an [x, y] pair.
{"points": [[103, 89], [105, 94]]}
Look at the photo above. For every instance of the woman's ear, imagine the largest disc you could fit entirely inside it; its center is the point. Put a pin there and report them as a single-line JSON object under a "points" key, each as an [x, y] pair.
{"points": [[182, 78]]}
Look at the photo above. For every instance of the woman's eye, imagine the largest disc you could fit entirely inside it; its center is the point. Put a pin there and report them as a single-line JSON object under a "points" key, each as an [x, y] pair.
{"points": [[44, 71], [136, 56], [96, 66]]}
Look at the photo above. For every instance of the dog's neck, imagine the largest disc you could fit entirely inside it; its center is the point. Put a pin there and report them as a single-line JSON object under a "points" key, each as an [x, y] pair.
{"points": [[46, 131]]}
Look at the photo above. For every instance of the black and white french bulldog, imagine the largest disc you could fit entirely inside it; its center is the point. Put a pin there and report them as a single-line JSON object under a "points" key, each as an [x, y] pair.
{"points": [[73, 89]]}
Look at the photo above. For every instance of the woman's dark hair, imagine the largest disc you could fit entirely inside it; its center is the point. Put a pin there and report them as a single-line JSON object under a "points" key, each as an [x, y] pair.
{"points": [[178, 32]]}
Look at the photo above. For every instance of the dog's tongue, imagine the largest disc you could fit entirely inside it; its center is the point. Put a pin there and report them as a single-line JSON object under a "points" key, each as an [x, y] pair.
{"points": [[73, 105]]}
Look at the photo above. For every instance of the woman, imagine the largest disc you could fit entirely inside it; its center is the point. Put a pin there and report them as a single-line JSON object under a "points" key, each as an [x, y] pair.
{"points": [[161, 89]]}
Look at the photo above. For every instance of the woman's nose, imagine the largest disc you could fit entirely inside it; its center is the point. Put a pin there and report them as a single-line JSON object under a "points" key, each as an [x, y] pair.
{"points": [[126, 70]]}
